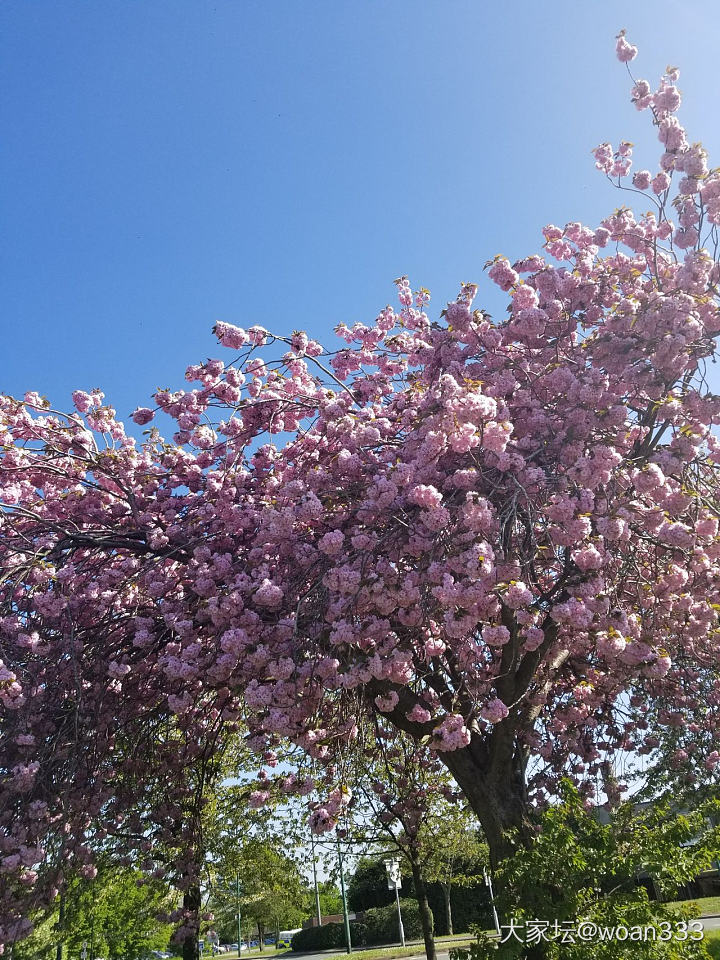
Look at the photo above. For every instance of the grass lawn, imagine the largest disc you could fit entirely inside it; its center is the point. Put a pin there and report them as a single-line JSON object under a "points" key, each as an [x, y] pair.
{"points": [[381, 953], [368, 953], [712, 942], [706, 905]]}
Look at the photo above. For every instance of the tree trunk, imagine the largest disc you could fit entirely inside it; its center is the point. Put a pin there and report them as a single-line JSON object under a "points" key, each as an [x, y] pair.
{"points": [[191, 902], [448, 908], [426, 917], [261, 935], [491, 775]]}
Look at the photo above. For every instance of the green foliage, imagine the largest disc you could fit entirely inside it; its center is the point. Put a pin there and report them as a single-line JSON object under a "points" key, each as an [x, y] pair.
{"points": [[381, 923], [274, 894], [330, 899], [42, 942], [581, 869], [470, 907], [712, 942], [115, 914], [368, 888], [452, 851], [453, 859]]}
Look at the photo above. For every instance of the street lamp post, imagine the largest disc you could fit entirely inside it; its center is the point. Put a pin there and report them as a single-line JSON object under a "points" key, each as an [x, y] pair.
{"points": [[392, 865], [488, 884], [237, 906], [346, 916], [318, 911]]}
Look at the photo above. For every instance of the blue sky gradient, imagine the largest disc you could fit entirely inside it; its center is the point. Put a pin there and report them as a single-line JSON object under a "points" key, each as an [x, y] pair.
{"points": [[170, 163]]}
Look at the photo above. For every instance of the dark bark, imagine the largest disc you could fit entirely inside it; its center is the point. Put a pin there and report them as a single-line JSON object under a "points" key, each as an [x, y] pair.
{"points": [[191, 902], [426, 917], [490, 773]]}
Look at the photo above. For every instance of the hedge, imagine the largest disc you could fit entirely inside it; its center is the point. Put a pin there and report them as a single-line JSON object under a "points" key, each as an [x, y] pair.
{"points": [[328, 936], [381, 923]]}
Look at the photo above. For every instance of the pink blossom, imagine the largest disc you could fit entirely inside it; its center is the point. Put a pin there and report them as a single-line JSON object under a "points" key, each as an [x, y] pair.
{"points": [[625, 51], [425, 495], [494, 711], [660, 182], [451, 734], [419, 714], [231, 336], [331, 543], [83, 401], [502, 273], [258, 798], [268, 594], [517, 595], [496, 636], [387, 702], [641, 179], [588, 558], [143, 415]]}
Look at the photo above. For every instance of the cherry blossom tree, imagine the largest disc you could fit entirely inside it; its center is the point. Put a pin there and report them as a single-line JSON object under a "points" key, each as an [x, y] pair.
{"points": [[500, 536]]}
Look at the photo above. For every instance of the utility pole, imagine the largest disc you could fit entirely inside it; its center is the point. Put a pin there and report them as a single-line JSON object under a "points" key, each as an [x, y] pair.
{"points": [[488, 884], [237, 905], [318, 911], [346, 917], [400, 923], [394, 882]]}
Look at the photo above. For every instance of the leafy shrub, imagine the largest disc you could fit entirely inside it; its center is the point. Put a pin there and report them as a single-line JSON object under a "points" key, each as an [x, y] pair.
{"points": [[580, 870]]}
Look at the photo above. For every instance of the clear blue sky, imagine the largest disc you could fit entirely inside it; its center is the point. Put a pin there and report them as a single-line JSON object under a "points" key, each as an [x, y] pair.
{"points": [[170, 163]]}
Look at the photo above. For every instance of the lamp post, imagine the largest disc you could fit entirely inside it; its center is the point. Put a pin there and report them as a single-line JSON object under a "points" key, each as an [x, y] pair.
{"points": [[318, 911], [488, 884], [237, 907], [392, 865], [346, 917], [227, 890]]}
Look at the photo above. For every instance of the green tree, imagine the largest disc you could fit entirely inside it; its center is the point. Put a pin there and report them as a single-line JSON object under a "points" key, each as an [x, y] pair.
{"points": [[274, 894], [115, 914], [42, 942], [330, 899], [453, 854]]}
